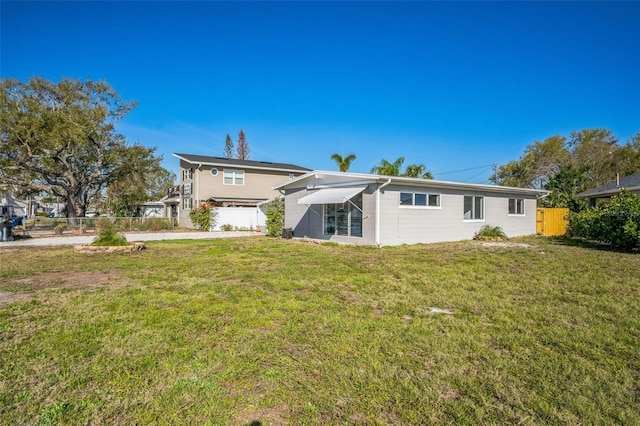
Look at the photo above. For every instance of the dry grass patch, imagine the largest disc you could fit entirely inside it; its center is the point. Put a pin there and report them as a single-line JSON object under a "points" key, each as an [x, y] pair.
{"points": [[22, 289]]}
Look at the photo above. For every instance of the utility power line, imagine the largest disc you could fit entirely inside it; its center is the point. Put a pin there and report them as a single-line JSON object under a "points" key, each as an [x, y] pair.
{"points": [[481, 173], [464, 170]]}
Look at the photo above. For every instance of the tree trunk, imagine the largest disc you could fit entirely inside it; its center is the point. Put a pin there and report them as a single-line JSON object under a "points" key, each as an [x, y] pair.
{"points": [[76, 207]]}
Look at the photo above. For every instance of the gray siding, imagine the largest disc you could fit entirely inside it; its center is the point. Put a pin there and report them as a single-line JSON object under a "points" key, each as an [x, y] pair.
{"points": [[297, 216], [307, 221], [410, 225]]}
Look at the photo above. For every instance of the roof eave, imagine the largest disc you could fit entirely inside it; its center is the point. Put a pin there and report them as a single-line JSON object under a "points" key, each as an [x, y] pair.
{"points": [[244, 166], [607, 193], [418, 182]]}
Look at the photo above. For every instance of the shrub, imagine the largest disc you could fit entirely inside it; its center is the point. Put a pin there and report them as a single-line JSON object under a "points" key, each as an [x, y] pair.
{"points": [[88, 223], [275, 222], [104, 223], [488, 231], [60, 223], [109, 236], [156, 224], [584, 224], [202, 217], [274, 210], [617, 223], [227, 227], [59, 228]]}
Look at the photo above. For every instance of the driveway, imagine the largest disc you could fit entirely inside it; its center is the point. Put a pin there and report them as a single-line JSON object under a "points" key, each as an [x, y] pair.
{"points": [[131, 237]]}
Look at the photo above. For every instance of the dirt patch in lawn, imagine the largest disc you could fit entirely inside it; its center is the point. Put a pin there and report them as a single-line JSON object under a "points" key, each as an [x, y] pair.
{"points": [[21, 289], [262, 416]]}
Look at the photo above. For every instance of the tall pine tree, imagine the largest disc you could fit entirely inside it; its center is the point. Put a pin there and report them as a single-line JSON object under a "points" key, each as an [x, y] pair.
{"points": [[242, 151], [228, 147]]}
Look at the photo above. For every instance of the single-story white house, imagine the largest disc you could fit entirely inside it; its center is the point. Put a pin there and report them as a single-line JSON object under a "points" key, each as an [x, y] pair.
{"points": [[388, 210]]}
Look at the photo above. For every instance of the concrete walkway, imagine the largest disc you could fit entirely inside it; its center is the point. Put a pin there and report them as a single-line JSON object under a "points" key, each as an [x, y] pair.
{"points": [[131, 237]]}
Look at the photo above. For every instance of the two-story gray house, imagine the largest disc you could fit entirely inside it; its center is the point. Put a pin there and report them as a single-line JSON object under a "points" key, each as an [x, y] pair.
{"points": [[229, 182], [382, 210]]}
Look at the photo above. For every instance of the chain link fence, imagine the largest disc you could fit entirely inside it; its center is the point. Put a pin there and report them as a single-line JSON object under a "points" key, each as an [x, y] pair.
{"points": [[91, 225]]}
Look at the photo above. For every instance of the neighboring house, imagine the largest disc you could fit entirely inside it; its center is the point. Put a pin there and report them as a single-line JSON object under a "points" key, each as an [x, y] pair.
{"points": [[227, 183], [383, 210], [630, 183], [167, 206], [14, 205], [30, 206], [153, 209]]}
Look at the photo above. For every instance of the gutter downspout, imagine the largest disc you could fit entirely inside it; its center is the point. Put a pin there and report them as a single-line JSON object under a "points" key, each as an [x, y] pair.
{"points": [[196, 181], [377, 230]]}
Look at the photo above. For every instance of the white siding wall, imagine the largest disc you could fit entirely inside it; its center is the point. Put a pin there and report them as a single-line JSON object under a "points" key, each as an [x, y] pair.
{"points": [[410, 225]]}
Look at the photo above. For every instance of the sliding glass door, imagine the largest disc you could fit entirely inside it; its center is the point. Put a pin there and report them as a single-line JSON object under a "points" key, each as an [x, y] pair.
{"points": [[344, 219]]}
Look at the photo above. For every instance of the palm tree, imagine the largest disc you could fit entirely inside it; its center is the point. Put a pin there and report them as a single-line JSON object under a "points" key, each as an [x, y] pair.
{"points": [[343, 162], [386, 168], [417, 171]]}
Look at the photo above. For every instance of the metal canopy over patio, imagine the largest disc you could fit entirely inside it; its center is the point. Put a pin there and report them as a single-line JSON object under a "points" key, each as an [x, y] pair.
{"points": [[332, 195]]}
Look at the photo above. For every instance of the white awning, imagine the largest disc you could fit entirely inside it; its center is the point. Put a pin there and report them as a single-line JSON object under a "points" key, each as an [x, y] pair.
{"points": [[332, 195]]}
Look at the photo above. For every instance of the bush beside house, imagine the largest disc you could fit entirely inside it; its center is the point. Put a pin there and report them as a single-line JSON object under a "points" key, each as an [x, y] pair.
{"points": [[617, 223], [203, 217], [274, 211]]}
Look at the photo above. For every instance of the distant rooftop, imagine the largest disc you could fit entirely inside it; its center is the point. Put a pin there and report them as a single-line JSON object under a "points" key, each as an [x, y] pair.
{"points": [[613, 187], [221, 161]]}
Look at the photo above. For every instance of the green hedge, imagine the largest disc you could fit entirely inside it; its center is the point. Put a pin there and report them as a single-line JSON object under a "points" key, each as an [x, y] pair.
{"points": [[274, 210], [617, 223]]}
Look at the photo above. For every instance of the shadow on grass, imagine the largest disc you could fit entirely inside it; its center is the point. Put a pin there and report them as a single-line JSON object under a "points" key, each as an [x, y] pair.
{"points": [[587, 244]]}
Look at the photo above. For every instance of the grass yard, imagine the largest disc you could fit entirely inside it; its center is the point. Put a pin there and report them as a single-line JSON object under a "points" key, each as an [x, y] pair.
{"points": [[272, 332]]}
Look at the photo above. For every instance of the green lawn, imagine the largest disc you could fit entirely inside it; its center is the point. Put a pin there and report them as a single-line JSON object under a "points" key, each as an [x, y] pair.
{"points": [[271, 332]]}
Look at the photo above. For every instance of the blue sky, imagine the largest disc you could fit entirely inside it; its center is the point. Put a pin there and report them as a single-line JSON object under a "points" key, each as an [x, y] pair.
{"points": [[451, 85]]}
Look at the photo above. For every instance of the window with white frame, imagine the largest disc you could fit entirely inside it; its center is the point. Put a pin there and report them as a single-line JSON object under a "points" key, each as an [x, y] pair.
{"points": [[187, 203], [516, 206], [186, 188], [345, 218], [233, 177], [419, 199], [187, 174], [473, 207]]}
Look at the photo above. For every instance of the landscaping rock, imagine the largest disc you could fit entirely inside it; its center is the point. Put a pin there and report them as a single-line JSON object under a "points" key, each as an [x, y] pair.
{"points": [[108, 249]]}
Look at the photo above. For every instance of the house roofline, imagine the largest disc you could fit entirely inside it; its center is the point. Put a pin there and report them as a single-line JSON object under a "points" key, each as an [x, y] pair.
{"points": [[425, 183], [607, 193], [630, 182], [245, 164]]}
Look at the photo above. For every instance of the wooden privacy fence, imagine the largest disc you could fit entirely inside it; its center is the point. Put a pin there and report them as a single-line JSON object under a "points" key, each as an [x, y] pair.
{"points": [[550, 222]]}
